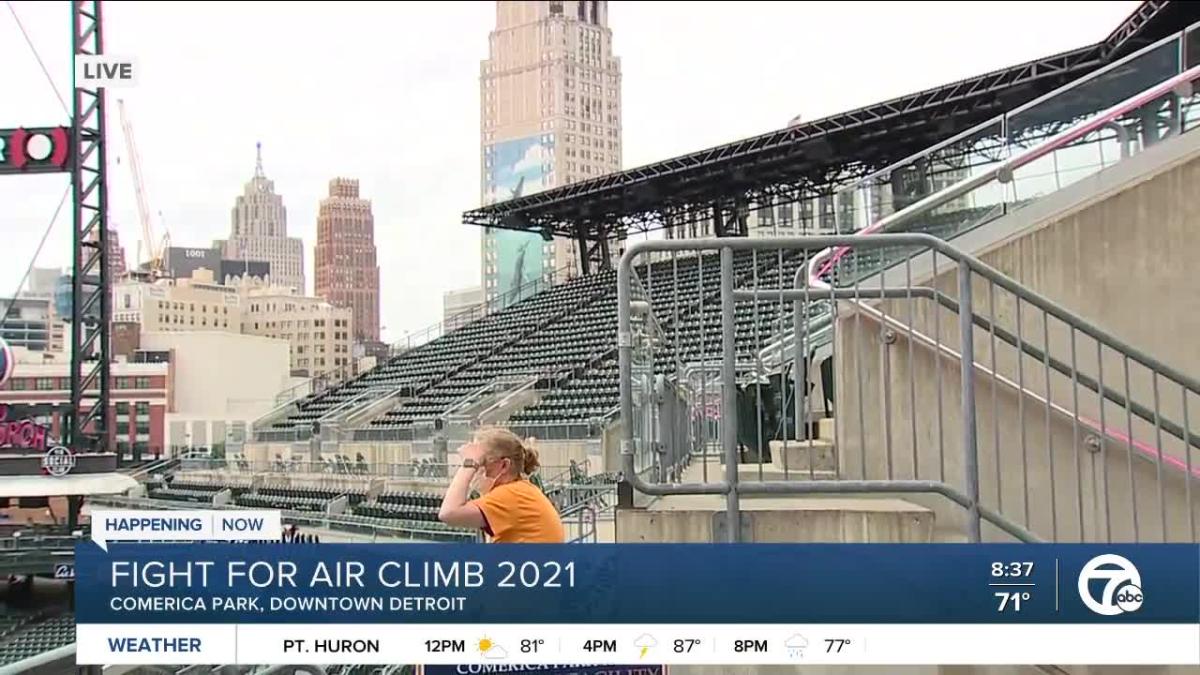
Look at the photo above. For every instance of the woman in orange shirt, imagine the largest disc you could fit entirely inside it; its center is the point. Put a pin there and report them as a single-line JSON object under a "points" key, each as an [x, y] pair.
{"points": [[511, 509]]}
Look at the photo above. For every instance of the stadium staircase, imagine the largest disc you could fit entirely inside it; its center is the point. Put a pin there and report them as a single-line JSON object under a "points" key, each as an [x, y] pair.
{"points": [[1049, 174]]}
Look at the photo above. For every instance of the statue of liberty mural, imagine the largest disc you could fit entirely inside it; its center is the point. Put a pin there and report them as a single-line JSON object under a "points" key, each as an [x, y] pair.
{"points": [[518, 279]]}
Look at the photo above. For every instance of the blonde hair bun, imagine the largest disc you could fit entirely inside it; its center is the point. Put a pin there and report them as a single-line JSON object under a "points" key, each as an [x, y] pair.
{"points": [[531, 462], [501, 443]]}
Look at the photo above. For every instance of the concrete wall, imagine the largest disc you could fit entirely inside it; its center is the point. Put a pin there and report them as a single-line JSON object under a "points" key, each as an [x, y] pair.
{"points": [[700, 519], [1118, 251], [205, 364]]}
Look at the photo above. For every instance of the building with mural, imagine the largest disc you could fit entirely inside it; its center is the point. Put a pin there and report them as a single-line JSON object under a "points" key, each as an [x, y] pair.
{"points": [[550, 114]]}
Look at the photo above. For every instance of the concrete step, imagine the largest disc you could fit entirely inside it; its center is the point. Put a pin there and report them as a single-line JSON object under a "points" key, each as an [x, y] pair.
{"points": [[771, 519], [801, 455], [825, 428], [750, 472], [773, 473]]}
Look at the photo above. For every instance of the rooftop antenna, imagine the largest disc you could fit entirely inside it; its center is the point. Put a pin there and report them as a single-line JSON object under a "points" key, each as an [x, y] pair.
{"points": [[258, 170]]}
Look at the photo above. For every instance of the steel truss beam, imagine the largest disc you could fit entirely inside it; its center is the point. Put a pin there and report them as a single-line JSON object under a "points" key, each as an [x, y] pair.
{"points": [[91, 300], [810, 159]]}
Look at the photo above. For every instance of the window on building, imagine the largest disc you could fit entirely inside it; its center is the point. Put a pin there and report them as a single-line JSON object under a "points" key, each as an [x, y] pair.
{"points": [[122, 407], [142, 408], [122, 427], [141, 383]]}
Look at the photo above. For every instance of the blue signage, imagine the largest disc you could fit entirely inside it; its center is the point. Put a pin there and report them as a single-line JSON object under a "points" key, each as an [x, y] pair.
{"points": [[644, 583]]}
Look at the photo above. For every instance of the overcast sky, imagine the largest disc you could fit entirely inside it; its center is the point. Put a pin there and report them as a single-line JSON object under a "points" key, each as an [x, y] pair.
{"points": [[389, 93]]}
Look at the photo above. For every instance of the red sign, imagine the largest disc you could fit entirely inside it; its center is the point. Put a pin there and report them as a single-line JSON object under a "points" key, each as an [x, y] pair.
{"points": [[21, 434], [35, 150]]}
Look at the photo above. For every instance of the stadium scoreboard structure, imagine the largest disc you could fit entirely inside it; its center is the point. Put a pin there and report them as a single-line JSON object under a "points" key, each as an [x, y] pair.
{"points": [[147, 592]]}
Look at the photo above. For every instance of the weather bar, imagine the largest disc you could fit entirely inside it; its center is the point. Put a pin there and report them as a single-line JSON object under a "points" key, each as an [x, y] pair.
{"points": [[511, 644]]}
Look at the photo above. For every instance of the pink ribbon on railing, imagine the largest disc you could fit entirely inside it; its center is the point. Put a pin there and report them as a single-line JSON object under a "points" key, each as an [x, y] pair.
{"points": [[1151, 452]]}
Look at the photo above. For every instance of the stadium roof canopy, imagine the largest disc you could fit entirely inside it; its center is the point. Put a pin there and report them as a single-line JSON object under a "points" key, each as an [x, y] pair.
{"points": [[807, 157], [70, 485]]}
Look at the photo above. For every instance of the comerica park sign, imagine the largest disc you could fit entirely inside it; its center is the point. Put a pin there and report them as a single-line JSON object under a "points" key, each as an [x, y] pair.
{"points": [[35, 150]]}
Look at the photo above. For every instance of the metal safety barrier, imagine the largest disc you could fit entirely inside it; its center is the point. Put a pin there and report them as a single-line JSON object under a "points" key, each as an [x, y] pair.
{"points": [[892, 361]]}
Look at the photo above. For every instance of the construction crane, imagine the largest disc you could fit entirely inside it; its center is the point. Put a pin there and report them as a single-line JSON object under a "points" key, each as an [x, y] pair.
{"points": [[156, 248]]}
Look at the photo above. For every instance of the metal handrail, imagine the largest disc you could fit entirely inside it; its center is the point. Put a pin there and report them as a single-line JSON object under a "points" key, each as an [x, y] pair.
{"points": [[855, 297], [731, 487], [823, 262]]}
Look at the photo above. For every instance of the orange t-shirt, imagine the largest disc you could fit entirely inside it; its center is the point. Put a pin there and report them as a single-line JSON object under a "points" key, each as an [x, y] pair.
{"points": [[519, 513]]}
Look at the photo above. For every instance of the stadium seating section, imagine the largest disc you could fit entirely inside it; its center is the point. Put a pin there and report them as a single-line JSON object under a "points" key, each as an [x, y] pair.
{"points": [[26, 635], [566, 338]]}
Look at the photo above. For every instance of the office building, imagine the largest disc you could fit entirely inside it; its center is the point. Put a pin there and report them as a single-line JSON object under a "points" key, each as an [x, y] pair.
{"points": [[319, 333], [220, 384], [347, 274], [461, 306], [182, 262], [32, 323], [116, 256], [260, 232], [197, 303], [550, 104], [140, 390]]}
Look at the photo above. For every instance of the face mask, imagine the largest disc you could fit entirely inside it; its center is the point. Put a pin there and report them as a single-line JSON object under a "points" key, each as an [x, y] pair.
{"points": [[486, 484], [477, 483]]}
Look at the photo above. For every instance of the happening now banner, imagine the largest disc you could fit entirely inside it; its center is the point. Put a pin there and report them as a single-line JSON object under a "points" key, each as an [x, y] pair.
{"points": [[243, 583]]}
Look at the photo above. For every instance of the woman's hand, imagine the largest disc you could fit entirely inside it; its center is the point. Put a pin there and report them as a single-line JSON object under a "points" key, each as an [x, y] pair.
{"points": [[471, 451], [455, 509]]}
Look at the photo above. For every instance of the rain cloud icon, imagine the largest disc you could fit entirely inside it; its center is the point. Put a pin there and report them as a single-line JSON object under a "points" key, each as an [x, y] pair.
{"points": [[644, 642], [796, 645]]}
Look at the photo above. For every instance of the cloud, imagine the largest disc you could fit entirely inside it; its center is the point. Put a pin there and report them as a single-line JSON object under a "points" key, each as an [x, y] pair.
{"points": [[496, 652], [646, 640], [531, 161], [796, 642]]}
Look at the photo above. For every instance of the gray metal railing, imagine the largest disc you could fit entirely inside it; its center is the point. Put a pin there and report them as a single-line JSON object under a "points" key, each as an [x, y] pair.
{"points": [[343, 468], [891, 343]]}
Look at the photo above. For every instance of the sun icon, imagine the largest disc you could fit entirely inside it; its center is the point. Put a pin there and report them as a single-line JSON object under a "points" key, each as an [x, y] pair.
{"points": [[489, 649]]}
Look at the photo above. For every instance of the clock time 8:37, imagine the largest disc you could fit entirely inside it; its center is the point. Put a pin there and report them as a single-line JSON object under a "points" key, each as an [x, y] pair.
{"points": [[1012, 569]]}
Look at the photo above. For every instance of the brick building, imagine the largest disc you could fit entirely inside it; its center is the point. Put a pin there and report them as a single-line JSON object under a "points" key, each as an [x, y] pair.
{"points": [[347, 271]]}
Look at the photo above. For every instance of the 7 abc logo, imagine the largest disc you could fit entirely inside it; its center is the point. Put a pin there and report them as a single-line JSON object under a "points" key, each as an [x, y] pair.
{"points": [[1122, 585]]}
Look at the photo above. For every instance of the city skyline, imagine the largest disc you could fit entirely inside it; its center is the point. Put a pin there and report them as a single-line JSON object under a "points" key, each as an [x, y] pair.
{"points": [[200, 109]]}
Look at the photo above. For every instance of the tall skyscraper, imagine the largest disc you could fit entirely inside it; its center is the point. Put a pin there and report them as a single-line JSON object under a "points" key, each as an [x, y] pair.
{"points": [[260, 232], [550, 104], [347, 273]]}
